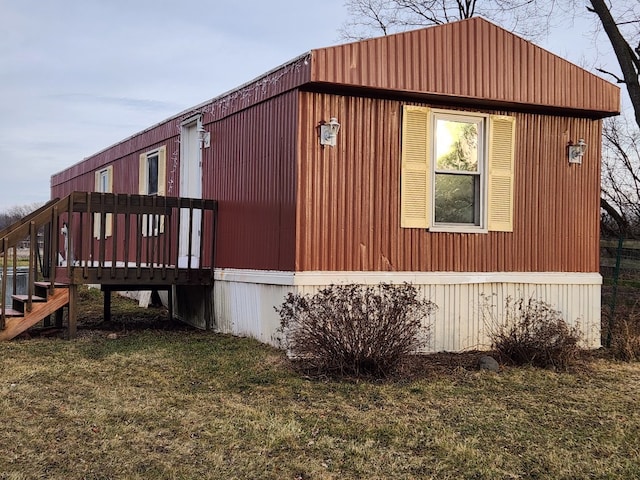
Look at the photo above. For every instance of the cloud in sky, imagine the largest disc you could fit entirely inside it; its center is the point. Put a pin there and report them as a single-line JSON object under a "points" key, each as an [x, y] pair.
{"points": [[79, 75]]}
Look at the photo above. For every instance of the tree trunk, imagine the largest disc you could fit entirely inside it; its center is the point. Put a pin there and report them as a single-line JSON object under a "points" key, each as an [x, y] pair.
{"points": [[627, 58]]}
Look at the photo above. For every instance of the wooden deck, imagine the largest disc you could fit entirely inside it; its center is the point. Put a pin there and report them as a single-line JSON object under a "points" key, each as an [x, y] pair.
{"points": [[120, 241]]}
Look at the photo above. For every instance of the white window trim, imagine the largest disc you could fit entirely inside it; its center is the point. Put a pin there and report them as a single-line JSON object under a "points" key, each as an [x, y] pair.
{"points": [[483, 154]]}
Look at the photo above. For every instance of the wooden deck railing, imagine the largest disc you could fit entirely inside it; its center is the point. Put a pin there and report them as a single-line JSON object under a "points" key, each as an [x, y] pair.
{"points": [[26, 228], [114, 239]]}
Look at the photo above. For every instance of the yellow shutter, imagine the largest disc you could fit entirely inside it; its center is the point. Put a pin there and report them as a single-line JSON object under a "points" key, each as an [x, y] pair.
{"points": [[162, 170], [162, 182], [96, 216], [502, 134], [108, 228], [110, 183], [142, 174], [414, 188], [142, 186]]}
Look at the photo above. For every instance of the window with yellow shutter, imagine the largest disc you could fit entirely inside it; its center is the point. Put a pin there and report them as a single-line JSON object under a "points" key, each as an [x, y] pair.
{"points": [[152, 181], [103, 184], [457, 170]]}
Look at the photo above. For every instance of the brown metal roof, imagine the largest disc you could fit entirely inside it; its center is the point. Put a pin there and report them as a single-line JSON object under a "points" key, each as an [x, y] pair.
{"points": [[469, 59]]}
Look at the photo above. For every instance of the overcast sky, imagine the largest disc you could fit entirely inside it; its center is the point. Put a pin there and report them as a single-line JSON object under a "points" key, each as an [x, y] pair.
{"points": [[77, 76]]}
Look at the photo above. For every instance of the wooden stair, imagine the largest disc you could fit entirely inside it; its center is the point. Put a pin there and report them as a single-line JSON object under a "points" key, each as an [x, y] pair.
{"points": [[43, 304]]}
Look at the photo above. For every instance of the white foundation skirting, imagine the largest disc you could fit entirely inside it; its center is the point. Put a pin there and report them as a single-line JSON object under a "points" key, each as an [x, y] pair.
{"points": [[469, 304]]}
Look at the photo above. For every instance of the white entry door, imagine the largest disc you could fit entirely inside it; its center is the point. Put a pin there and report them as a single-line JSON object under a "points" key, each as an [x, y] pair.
{"points": [[190, 186]]}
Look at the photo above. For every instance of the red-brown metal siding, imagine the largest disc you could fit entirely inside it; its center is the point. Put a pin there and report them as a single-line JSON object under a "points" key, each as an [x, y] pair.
{"points": [[250, 170], [348, 200], [66, 180], [471, 59]]}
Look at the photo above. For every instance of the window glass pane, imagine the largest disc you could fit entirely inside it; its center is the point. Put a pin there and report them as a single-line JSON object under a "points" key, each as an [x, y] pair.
{"points": [[104, 181], [456, 145], [152, 179], [457, 198]]}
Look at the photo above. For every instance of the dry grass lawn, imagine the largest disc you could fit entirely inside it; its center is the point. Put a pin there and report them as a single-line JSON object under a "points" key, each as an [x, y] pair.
{"points": [[189, 405]]}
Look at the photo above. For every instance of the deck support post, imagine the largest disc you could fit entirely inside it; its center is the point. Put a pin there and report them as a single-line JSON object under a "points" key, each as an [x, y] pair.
{"points": [[73, 303], [59, 317]]}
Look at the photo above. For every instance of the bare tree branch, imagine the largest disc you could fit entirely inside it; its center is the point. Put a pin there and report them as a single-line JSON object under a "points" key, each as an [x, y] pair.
{"points": [[618, 79], [530, 18], [623, 226]]}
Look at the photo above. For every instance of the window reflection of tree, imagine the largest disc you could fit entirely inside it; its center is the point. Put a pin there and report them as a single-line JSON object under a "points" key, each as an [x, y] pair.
{"points": [[456, 195]]}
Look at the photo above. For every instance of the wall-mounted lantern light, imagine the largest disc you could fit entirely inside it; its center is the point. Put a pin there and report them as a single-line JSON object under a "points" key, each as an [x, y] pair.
{"points": [[576, 151], [329, 132], [204, 137]]}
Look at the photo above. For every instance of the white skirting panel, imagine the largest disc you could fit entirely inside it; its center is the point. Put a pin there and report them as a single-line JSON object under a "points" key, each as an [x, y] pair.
{"points": [[247, 309], [469, 304]]}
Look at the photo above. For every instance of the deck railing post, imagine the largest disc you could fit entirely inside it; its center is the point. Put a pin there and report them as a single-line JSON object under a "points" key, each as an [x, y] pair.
{"points": [[190, 242], [3, 314], [114, 237], [73, 312], [102, 235], [70, 229], [92, 226], [33, 267], [127, 234], [139, 243], [154, 234], [179, 223], [53, 248], [45, 264], [201, 235], [165, 238], [14, 269]]}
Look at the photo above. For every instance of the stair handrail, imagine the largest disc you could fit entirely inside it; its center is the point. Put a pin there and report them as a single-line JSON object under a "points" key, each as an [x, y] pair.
{"points": [[27, 218], [3, 286], [27, 226]]}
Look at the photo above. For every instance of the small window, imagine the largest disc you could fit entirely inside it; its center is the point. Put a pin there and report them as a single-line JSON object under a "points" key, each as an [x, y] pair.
{"points": [[152, 181], [152, 174], [104, 180], [103, 184]]}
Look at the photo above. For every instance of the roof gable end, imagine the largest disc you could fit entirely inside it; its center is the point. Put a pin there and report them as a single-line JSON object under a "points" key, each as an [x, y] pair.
{"points": [[473, 59]]}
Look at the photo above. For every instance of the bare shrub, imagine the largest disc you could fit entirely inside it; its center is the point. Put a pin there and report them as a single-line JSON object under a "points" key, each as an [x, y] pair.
{"points": [[533, 333], [355, 329]]}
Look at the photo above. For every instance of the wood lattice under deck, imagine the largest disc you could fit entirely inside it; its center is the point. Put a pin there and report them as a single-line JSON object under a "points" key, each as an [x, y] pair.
{"points": [[120, 241]]}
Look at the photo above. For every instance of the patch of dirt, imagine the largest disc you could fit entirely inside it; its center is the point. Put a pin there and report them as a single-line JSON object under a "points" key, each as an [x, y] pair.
{"points": [[444, 363], [126, 316], [129, 322]]}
